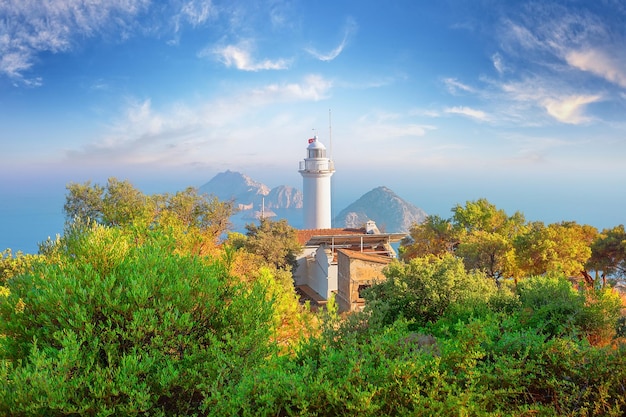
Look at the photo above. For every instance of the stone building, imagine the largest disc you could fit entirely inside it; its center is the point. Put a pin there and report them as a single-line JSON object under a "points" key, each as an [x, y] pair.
{"points": [[338, 261], [357, 271]]}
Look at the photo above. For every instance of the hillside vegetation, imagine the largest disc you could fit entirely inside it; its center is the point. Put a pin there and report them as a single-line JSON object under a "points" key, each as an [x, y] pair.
{"points": [[143, 308]]}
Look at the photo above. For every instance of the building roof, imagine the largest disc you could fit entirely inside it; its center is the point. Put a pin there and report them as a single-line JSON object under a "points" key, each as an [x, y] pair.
{"points": [[305, 235], [351, 239], [364, 256]]}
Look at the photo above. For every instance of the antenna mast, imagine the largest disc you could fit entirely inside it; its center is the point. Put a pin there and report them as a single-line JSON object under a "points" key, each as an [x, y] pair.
{"points": [[330, 135]]}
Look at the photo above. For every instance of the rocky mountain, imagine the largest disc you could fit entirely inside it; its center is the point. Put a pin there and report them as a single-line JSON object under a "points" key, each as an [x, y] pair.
{"points": [[390, 212], [284, 197], [255, 200], [251, 195]]}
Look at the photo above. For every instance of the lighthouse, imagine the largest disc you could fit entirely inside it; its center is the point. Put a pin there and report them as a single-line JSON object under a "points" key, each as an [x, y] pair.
{"points": [[316, 170]]}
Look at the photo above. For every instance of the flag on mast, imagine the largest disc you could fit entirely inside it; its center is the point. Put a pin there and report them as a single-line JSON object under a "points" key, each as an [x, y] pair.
{"points": [[311, 140]]}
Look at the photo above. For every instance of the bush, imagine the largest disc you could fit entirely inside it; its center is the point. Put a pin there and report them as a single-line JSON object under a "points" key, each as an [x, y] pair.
{"points": [[552, 305], [114, 328], [423, 289]]}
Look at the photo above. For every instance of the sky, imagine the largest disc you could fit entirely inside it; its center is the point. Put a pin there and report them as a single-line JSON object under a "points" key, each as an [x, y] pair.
{"points": [[519, 102]]}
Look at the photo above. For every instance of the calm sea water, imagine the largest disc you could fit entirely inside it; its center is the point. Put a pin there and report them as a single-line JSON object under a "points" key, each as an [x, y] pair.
{"points": [[27, 219]]}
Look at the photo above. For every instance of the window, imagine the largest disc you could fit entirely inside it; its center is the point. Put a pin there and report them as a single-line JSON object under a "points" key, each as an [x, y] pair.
{"points": [[362, 288]]}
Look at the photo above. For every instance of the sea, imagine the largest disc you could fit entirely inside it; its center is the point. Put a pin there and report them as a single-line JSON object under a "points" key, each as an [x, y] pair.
{"points": [[29, 219]]}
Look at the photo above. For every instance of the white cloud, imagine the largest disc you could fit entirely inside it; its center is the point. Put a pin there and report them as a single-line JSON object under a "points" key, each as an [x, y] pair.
{"points": [[349, 30], [498, 63], [554, 50], [30, 28], [610, 67], [454, 86], [197, 12], [240, 57], [381, 126], [569, 109], [469, 112], [194, 12], [213, 131], [559, 100]]}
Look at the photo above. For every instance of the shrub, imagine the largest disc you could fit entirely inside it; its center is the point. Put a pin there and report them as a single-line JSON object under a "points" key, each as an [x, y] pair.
{"points": [[423, 289], [552, 305], [115, 328]]}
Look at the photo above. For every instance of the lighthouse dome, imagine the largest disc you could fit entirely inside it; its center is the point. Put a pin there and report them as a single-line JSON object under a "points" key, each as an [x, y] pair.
{"points": [[316, 149], [316, 145]]}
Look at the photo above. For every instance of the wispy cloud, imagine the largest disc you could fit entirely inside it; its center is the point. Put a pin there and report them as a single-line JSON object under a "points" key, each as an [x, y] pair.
{"points": [[313, 88], [469, 112], [382, 126], [197, 12], [548, 49], [570, 109], [29, 28], [180, 133], [454, 86], [560, 101], [498, 62], [349, 30], [193, 12], [611, 67], [240, 57]]}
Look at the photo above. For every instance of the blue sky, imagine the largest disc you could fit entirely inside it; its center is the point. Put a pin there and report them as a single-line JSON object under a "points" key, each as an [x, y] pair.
{"points": [[520, 102]]}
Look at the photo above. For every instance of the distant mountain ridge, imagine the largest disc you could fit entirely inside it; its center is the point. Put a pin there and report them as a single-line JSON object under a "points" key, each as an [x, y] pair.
{"points": [[390, 212], [249, 194], [254, 199]]}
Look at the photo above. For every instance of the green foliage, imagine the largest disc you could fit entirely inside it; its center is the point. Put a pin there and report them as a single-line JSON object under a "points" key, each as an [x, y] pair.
{"points": [[489, 252], [84, 201], [15, 264], [390, 375], [274, 241], [559, 247], [119, 203], [609, 252], [552, 306], [119, 316], [481, 366], [486, 237], [109, 327], [435, 236], [423, 289], [504, 247]]}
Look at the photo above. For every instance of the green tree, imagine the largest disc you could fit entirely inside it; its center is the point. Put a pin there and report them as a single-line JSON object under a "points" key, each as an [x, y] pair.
{"points": [[192, 210], [608, 253], [274, 241], [434, 236], [84, 201], [123, 204], [559, 247], [486, 237], [120, 204]]}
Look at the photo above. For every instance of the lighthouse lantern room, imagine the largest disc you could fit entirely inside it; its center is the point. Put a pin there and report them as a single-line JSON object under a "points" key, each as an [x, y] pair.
{"points": [[316, 170]]}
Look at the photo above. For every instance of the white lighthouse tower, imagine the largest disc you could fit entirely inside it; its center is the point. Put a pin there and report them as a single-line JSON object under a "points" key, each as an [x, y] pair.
{"points": [[316, 170]]}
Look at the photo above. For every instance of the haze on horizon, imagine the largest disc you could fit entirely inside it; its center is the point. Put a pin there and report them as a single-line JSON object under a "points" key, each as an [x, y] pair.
{"points": [[521, 103]]}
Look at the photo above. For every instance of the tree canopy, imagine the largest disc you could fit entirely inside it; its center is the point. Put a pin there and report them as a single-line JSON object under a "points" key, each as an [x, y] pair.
{"points": [[274, 241], [120, 204], [504, 247]]}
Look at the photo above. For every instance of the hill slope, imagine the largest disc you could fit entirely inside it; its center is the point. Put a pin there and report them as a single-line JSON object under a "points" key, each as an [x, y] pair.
{"points": [[249, 194], [390, 212]]}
